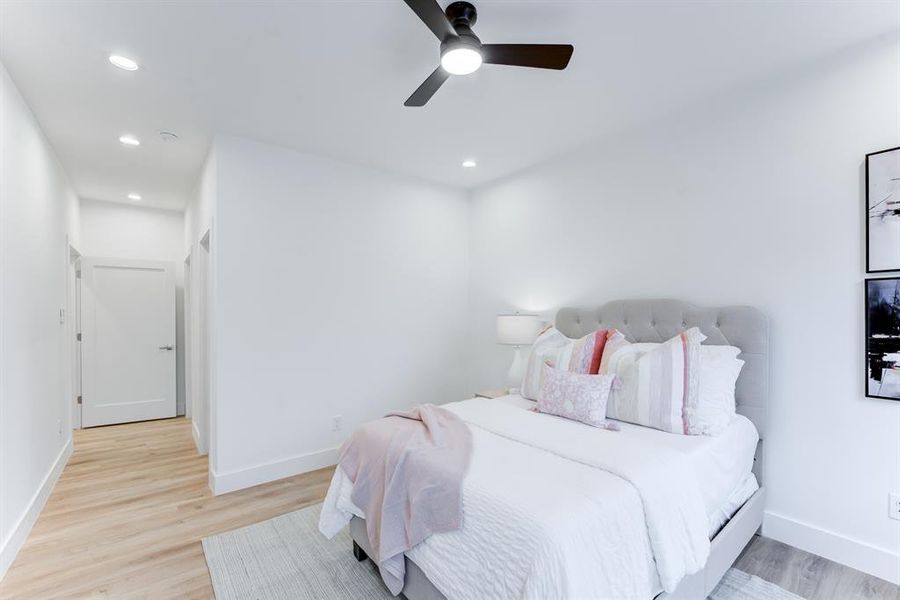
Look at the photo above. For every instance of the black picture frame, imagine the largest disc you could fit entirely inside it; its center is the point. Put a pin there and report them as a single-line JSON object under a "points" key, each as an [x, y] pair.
{"points": [[876, 347], [868, 202]]}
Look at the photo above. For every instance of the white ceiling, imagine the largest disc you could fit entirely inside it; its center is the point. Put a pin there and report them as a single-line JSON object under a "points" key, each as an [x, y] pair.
{"points": [[331, 77]]}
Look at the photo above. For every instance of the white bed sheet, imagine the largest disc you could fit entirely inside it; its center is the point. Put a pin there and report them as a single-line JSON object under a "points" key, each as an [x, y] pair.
{"points": [[723, 462], [537, 525]]}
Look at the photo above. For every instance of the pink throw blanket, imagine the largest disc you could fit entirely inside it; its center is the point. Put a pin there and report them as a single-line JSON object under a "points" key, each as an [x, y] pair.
{"points": [[407, 471]]}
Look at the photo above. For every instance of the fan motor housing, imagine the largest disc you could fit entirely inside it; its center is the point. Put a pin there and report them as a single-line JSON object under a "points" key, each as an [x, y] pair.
{"points": [[465, 40], [461, 13], [462, 16]]}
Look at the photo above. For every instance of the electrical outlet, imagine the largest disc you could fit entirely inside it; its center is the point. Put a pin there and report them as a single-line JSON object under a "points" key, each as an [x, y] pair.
{"points": [[337, 422], [894, 508]]}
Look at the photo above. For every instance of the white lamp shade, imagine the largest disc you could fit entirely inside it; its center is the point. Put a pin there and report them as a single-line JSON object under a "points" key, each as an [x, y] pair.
{"points": [[517, 330]]}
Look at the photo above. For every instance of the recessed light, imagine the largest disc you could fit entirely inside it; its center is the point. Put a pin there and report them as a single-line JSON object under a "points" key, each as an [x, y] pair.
{"points": [[168, 136], [129, 140], [469, 163], [134, 197], [123, 62]]}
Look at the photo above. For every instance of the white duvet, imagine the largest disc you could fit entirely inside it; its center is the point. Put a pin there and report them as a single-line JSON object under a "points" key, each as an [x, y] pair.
{"points": [[556, 509]]}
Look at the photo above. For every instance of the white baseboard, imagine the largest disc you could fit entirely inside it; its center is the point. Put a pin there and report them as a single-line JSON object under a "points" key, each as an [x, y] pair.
{"points": [[861, 556], [13, 543], [222, 483], [195, 433]]}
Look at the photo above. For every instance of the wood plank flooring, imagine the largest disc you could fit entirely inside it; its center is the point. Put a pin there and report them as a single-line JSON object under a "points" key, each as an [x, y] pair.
{"points": [[126, 517], [130, 509], [811, 576]]}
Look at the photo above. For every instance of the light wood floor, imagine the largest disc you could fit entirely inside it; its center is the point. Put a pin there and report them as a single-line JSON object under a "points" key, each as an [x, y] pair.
{"points": [[126, 517], [128, 513]]}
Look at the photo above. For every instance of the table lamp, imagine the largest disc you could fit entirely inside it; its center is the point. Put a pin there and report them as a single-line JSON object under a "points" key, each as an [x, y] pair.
{"points": [[517, 330]]}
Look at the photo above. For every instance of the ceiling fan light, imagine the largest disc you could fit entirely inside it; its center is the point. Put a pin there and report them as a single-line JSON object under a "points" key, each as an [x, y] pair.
{"points": [[461, 61]]}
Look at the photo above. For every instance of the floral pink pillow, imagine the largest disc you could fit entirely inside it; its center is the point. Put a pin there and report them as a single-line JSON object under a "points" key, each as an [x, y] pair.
{"points": [[577, 396]]}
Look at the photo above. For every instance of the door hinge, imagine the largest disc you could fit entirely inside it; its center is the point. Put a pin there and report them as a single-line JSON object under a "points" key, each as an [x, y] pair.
{"points": [[79, 399], [77, 337]]}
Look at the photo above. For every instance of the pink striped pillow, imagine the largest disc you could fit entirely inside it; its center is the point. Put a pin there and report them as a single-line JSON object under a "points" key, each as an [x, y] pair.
{"points": [[658, 385], [552, 347]]}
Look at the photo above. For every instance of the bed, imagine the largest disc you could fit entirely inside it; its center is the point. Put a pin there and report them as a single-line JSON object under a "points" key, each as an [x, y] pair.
{"points": [[534, 479]]}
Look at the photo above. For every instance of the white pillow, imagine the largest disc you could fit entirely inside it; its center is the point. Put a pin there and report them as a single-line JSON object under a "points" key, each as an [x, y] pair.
{"points": [[719, 370], [545, 349]]}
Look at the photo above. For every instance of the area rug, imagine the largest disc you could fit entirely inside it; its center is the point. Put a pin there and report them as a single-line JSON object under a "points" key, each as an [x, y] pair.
{"points": [[286, 558]]}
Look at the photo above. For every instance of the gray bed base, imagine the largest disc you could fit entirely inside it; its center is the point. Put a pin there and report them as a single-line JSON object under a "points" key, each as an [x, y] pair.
{"points": [[657, 321]]}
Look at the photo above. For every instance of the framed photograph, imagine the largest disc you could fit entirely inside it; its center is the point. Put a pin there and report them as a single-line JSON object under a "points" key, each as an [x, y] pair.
{"points": [[883, 338], [883, 211]]}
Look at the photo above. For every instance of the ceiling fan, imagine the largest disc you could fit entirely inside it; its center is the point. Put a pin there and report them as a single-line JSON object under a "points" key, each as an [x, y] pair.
{"points": [[463, 53]]}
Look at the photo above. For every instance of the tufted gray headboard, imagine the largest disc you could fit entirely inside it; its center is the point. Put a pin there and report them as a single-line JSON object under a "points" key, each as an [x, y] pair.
{"points": [[659, 320]]}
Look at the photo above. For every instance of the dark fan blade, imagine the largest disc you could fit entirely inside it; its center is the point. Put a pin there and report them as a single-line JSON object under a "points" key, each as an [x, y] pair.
{"points": [[431, 14], [540, 56], [425, 91]]}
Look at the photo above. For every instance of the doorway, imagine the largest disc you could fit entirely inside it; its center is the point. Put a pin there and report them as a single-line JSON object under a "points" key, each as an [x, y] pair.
{"points": [[127, 341]]}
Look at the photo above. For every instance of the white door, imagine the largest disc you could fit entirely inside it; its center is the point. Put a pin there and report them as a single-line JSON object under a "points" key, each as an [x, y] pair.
{"points": [[128, 341]]}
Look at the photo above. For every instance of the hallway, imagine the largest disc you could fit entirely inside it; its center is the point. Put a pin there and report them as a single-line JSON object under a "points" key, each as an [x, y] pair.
{"points": [[128, 513]]}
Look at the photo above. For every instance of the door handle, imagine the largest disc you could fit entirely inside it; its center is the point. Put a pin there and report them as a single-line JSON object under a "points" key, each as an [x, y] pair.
{"points": [[167, 347]]}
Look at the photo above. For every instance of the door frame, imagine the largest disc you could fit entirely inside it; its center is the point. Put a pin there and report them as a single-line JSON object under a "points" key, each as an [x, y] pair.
{"points": [[73, 329], [200, 348], [87, 321], [187, 320]]}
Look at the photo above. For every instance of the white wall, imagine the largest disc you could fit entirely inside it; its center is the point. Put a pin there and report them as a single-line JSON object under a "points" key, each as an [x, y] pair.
{"points": [[201, 210], [753, 198], [198, 222], [340, 290], [114, 230], [38, 210]]}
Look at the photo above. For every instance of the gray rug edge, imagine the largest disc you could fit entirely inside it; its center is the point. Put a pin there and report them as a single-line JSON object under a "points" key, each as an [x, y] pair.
{"points": [[251, 578]]}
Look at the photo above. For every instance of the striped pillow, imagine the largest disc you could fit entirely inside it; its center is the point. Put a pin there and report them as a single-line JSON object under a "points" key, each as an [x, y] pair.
{"points": [[555, 349], [658, 384]]}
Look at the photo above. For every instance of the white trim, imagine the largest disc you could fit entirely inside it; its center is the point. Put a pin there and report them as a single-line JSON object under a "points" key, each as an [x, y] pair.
{"points": [[73, 328], [859, 555], [186, 319], [222, 483], [13, 543], [196, 435]]}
